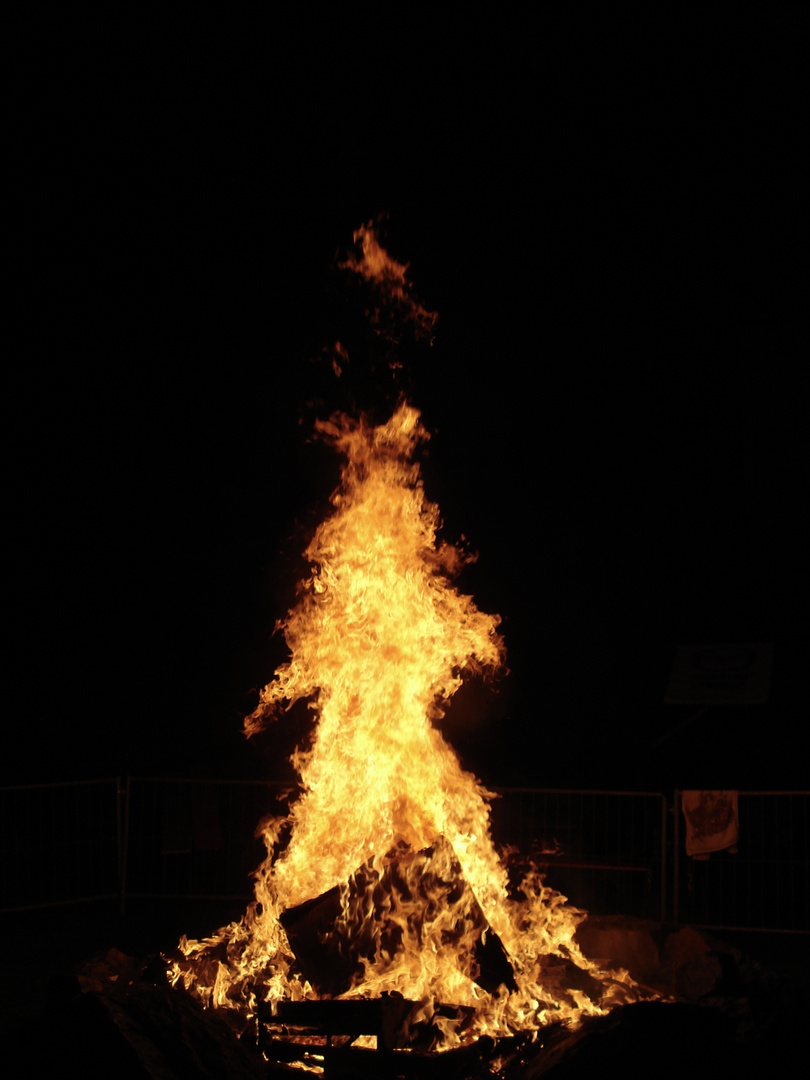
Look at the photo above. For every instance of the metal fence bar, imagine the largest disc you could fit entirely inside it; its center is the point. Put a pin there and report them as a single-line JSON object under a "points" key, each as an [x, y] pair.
{"points": [[605, 850], [60, 844], [123, 795], [676, 860], [764, 884], [608, 851], [189, 838], [662, 915]]}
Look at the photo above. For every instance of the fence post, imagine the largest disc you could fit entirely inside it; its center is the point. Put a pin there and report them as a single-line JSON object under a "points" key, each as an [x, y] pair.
{"points": [[663, 912], [123, 844], [676, 857]]}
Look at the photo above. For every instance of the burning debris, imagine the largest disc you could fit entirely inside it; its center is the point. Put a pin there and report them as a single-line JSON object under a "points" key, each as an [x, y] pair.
{"points": [[389, 886], [419, 896]]}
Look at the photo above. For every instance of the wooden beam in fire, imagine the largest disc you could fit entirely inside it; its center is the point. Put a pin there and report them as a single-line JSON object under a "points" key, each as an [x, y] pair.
{"points": [[394, 909]]}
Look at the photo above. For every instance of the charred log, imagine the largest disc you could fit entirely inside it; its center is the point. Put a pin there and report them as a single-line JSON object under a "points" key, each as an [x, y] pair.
{"points": [[378, 914]]}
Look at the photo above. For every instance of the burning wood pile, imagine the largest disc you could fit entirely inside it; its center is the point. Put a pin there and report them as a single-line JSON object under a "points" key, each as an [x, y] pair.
{"points": [[383, 914]]}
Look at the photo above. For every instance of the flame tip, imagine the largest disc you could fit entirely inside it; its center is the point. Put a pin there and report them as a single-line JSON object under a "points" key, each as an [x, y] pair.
{"points": [[387, 827]]}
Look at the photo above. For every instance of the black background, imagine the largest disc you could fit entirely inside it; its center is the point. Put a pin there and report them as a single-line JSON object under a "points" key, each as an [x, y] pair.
{"points": [[604, 209]]}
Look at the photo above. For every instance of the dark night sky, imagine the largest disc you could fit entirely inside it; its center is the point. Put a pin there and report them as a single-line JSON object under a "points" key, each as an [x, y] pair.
{"points": [[605, 213]]}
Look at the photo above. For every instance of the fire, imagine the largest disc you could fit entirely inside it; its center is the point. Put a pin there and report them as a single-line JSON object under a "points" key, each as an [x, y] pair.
{"points": [[379, 642]]}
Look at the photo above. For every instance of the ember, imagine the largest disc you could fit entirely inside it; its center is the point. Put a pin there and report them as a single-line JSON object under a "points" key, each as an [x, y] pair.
{"points": [[390, 883]]}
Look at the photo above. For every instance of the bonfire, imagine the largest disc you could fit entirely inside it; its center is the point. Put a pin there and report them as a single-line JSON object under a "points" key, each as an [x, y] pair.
{"points": [[382, 883]]}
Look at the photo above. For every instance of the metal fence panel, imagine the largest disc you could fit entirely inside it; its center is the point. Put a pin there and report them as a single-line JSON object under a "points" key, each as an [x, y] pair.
{"points": [[765, 884], [60, 843], [605, 850], [196, 838]]}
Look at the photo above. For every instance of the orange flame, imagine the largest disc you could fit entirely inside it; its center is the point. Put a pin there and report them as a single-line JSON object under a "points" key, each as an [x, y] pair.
{"points": [[393, 305], [379, 643], [381, 639]]}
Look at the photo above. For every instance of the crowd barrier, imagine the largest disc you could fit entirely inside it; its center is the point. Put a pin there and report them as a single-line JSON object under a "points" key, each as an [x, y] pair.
{"points": [[609, 852], [604, 850], [60, 843], [765, 883]]}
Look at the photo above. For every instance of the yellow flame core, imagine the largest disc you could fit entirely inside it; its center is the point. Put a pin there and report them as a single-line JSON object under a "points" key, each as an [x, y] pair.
{"points": [[381, 637], [378, 645]]}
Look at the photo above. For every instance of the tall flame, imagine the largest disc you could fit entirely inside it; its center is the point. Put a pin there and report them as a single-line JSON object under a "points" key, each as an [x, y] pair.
{"points": [[379, 642]]}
